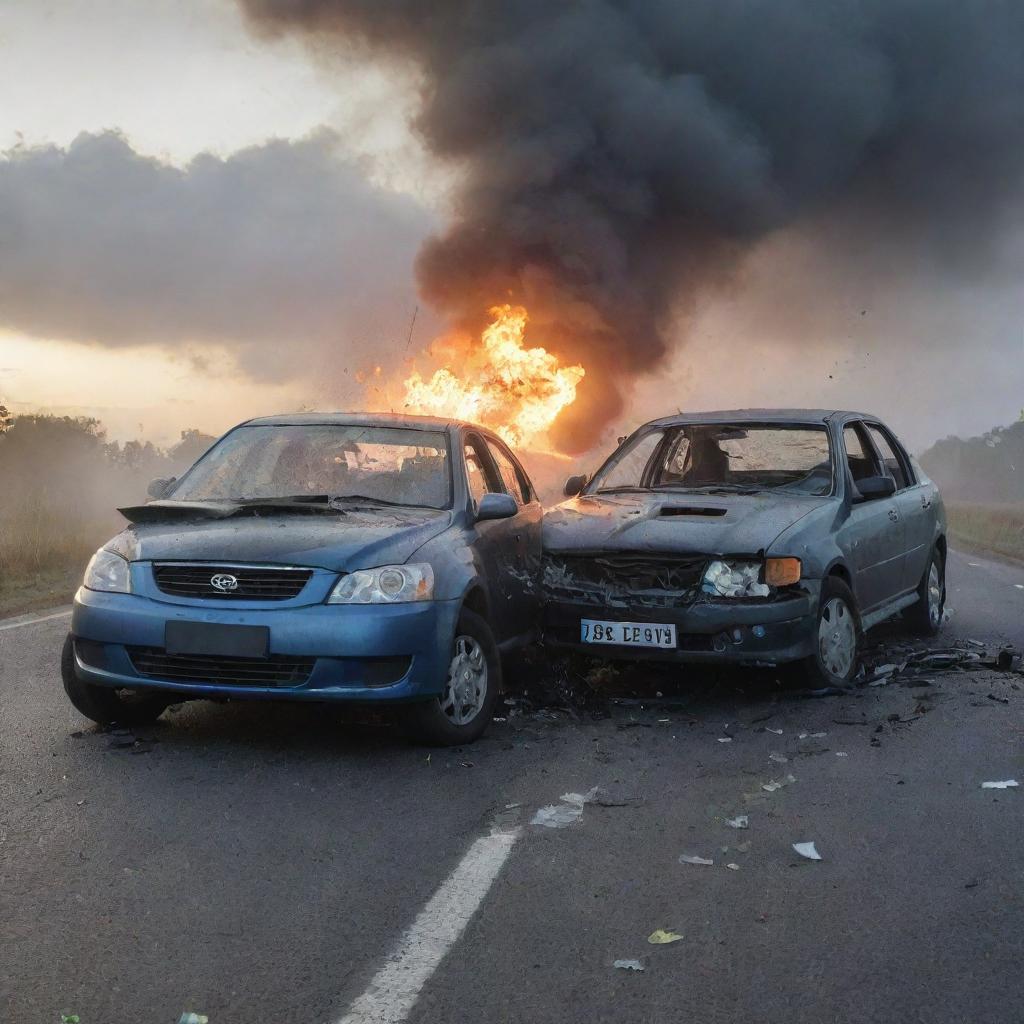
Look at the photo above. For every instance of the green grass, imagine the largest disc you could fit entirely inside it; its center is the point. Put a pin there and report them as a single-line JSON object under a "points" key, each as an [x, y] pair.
{"points": [[995, 528], [44, 546]]}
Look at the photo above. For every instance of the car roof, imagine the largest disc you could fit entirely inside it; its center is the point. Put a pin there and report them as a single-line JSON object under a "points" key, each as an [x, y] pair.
{"points": [[760, 416], [381, 419]]}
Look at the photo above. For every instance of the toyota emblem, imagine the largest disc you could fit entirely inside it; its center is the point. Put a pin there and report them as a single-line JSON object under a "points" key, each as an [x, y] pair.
{"points": [[224, 582]]}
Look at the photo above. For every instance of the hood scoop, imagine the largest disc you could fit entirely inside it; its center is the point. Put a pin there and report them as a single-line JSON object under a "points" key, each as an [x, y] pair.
{"points": [[690, 510]]}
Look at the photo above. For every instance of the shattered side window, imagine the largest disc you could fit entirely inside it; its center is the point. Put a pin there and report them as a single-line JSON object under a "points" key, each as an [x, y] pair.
{"points": [[860, 461], [508, 472], [629, 464], [478, 473]]}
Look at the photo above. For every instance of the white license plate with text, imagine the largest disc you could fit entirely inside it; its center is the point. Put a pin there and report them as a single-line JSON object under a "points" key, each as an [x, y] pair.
{"points": [[628, 634]]}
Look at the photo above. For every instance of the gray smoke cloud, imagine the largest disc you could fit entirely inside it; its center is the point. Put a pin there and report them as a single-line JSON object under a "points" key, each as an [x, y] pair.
{"points": [[620, 158], [281, 252]]}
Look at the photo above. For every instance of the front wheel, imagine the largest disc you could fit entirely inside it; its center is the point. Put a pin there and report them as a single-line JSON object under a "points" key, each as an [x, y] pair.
{"points": [[105, 705], [836, 637], [924, 617], [466, 704]]}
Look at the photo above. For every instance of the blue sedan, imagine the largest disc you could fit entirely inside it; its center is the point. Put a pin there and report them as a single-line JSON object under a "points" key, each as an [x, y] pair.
{"points": [[374, 558]]}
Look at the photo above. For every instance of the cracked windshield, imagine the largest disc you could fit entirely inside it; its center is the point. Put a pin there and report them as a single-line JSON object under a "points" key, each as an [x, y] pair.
{"points": [[392, 466], [723, 456]]}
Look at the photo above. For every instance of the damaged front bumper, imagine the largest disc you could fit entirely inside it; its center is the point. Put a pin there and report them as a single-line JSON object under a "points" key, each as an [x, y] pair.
{"points": [[738, 631]]}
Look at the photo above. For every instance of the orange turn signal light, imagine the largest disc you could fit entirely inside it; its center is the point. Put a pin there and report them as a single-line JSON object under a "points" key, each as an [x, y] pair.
{"points": [[781, 572]]}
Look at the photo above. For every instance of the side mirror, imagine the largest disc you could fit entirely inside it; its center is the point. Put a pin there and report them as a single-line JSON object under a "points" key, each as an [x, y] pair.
{"points": [[872, 487], [574, 485], [496, 506], [159, 487]]}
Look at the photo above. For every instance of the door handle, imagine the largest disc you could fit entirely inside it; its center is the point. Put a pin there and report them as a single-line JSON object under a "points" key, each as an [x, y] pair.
{"points": [[894, 515], [926, 502]]}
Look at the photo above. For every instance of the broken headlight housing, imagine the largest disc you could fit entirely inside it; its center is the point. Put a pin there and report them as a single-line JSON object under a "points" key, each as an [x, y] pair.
{"points": [[734, 579], [109, 572], [388, 584]]}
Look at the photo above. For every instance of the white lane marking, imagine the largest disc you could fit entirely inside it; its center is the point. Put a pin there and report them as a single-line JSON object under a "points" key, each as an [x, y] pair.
{"points": [[32, 622], [397, 985]]}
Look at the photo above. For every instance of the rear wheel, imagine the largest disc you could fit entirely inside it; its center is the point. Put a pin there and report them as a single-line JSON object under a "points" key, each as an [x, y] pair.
{"points": [[925, 616], [105, 705], [836, 637], [466, 704]]}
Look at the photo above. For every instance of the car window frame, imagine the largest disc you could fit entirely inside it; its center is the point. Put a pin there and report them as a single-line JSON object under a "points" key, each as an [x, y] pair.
{"points": [[487, 465], [898, 450], [525, 483]]}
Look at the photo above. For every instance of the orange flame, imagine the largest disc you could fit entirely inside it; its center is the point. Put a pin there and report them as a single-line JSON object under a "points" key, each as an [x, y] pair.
{"points": [[516, 391]]}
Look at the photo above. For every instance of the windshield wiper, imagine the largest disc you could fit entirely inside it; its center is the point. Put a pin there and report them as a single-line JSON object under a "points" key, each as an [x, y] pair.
{"points": [[367, 499]]}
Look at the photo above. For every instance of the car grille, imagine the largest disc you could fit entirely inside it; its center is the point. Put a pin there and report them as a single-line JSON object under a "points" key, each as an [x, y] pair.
{"points": [[254, 583], [277, 670], [623, 580]]}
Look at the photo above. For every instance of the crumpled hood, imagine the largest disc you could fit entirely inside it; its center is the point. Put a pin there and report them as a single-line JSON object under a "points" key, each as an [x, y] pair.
{"points": [[341, 543], [733, 524]]}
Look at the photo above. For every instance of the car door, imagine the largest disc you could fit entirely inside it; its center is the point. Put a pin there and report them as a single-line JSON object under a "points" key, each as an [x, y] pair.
{"points": [[497, 546], [528, 521], [913, 500], [873, 534]]}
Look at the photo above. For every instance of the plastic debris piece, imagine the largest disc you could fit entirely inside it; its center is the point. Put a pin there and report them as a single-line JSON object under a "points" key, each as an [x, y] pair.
{"points": [[628, 965], [557, 815], [733, 867], [662, 937], [69, 1018], [812, 735], [807, 850], [772, 785], [579, 799], [1004, 784], [193, 1018], [688, 858], [725, 739], [740, 821], [778, 758], [778, 732], [842, 753]]}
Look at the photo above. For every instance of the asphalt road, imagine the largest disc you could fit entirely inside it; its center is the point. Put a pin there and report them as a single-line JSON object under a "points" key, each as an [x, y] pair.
{"points": [[262, 863]]}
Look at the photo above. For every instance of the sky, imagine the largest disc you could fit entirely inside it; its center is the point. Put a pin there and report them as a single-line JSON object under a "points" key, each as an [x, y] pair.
{"points": [[288, 197]]}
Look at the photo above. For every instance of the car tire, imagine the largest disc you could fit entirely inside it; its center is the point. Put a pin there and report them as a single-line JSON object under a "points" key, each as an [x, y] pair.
{"points": [[837, 636], [104, 705], [471, 689], [924, 617]]}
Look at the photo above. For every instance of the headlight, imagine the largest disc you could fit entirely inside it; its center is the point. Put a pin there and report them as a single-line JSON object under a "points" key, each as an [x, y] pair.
{"points": [[390, 584], [107, 571], [734, 579]]}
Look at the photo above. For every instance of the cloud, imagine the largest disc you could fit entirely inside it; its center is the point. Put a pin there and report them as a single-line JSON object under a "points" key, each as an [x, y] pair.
{"points": [[281, 253]]}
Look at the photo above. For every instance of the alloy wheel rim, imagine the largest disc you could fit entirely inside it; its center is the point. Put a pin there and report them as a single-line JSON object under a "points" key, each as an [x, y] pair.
{"points": [[934, 594], [466, 687], [837, 637]]}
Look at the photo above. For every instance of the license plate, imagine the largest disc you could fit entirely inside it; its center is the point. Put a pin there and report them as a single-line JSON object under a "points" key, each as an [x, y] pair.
{"points": [[628, 634], [213, 638]]}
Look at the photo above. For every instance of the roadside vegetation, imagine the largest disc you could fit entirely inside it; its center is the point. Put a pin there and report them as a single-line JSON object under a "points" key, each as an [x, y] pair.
{"points": [[995, 528], [61, 483], [982, 481]]}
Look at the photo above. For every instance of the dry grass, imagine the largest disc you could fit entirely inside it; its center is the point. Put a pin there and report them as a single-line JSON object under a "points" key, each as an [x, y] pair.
{"points": [[44, 546], [995, 528]]}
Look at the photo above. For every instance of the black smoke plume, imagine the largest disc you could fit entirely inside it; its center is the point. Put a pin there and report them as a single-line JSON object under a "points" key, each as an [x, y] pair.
{"points": [[619, 156]]}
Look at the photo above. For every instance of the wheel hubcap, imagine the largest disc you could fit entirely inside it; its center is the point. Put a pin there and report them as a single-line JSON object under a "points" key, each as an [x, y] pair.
{"points": [[837, 637], [934, 594], [466, 687]]}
